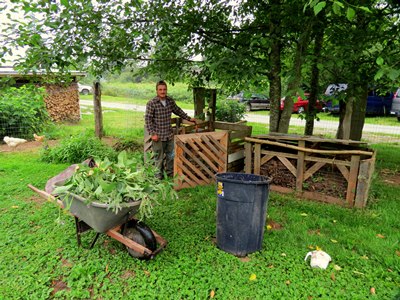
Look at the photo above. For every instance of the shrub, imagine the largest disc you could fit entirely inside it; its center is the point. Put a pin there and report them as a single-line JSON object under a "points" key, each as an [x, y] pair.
{"points": [[22, 111], [77, 149], [229, 111]]}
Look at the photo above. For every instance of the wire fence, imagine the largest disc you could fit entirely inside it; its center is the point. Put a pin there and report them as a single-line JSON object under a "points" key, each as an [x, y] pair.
{"points": [[373, 132], [131, 118]]}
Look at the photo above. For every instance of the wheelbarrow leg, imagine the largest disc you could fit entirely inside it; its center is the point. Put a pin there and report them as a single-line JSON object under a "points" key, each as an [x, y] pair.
{"points": [[82, 227], [94, 240], [78, 231]]}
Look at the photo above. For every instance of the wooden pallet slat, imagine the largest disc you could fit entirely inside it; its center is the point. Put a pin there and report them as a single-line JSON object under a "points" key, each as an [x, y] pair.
{"points": [[208, 156], [288, 165], [344, 171], [266, 158], [196, 171], [310, 171], [190, 177], [182, 147], [217, 143], [199, 157]]}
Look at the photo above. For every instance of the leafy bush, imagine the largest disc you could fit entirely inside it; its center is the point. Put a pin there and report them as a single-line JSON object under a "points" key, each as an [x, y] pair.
{"points": [[22, 111], [229, 111], [77, 149]]}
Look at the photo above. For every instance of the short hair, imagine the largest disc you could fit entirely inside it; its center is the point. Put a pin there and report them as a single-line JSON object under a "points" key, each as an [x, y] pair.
{"points": [[161, 82]]}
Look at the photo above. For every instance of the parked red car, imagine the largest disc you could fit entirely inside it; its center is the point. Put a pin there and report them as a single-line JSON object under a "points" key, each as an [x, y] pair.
{"points": [[301, 104]]}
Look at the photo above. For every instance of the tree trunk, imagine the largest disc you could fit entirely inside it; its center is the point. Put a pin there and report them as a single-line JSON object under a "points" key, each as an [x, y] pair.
{"points": [[347, 118], [352, 113], [294, 83], [312, 100], [275, 86], [358, 116]]}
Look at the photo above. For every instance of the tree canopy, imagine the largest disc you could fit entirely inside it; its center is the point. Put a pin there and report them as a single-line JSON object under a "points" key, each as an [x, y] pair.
{"points": [[284, 46]]}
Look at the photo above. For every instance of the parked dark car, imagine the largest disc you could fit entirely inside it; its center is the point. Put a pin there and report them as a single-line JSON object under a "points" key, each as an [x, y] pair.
{"points": [[377, 103], [252, 101]]}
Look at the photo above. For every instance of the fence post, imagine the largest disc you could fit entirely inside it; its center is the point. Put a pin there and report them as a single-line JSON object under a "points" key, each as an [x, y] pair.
{"points": [[98, 115]]}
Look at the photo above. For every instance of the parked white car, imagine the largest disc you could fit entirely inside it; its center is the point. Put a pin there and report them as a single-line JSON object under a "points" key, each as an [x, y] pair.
{"points": [[85, 89]]}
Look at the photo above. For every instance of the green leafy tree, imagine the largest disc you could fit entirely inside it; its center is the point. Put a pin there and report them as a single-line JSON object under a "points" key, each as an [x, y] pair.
{"points": [[235, 45], [361, 48]]}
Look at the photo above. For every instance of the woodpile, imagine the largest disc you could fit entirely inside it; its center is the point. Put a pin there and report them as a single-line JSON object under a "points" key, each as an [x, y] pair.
{"points": [[62, 102]]}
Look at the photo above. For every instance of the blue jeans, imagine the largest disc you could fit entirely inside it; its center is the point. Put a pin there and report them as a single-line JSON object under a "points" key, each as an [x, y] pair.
{"points": [[164, 157]]}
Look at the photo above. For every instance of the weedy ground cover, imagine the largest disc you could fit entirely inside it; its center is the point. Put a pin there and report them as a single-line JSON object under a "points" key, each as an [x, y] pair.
{"points": [[40, 258]]}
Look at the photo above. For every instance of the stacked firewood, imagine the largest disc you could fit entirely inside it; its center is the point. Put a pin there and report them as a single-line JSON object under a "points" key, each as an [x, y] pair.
{"points": [[62, 102]]}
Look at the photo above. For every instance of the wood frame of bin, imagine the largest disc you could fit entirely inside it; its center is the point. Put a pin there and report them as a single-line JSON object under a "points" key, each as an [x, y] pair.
{"points": [[232, 155], [357, 171]]}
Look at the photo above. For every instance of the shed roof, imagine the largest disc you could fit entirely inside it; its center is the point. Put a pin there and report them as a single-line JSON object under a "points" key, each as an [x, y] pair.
{"points": [[8, 71]]}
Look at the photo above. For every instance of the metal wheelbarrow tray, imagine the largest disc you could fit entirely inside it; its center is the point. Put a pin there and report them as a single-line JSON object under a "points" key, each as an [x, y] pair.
{"points": [[98, 217]]}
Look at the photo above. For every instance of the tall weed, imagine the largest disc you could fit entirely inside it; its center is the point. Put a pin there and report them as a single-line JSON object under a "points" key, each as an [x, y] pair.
{"points": [[76, 149]]}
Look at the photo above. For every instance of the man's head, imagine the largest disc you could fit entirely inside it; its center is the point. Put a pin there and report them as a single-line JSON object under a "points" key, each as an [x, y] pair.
{"points": [[161, 88]]}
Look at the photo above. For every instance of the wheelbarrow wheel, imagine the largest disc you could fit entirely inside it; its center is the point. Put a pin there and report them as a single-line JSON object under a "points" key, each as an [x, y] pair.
{"points": [[141, 234]]}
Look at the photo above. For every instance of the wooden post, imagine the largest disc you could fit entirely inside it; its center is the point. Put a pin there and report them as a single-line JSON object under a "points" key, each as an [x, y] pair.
{"points": [[211, 106], [248, 157], [352, 183], [364, 181], [198, 99], [300, 167], [257, 159], [98, 115]]}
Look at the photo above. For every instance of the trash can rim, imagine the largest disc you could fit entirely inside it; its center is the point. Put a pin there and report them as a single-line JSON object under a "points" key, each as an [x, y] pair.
{"points": [[262, 179]]}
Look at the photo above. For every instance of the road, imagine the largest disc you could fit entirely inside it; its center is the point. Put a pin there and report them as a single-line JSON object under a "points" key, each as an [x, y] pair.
{"points": [[263, 119]]}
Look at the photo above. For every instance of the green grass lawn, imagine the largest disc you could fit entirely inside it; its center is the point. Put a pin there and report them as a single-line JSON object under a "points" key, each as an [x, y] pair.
{"points": [[40, 258]]}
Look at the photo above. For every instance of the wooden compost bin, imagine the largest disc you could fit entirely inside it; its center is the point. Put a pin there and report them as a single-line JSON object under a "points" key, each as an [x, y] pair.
{"points": [[203, 150], [327, 170]]}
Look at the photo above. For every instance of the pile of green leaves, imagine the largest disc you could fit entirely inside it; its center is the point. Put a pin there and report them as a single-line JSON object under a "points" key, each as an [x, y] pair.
{"points": [[22, 111], [76, 149], [115, 183]]}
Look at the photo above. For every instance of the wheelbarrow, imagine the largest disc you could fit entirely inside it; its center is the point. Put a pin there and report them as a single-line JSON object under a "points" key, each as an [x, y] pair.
{"points": [[140, 241]]}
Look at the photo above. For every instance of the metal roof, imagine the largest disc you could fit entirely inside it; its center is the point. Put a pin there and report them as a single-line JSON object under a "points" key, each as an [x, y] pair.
{"points": [[8, 71]]}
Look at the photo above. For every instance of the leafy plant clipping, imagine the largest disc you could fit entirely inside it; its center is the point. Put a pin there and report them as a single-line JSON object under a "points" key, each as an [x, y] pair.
{"points": [[116, 184]]}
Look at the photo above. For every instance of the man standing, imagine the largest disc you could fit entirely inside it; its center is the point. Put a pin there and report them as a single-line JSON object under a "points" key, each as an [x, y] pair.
{"points": [[158, 124]]}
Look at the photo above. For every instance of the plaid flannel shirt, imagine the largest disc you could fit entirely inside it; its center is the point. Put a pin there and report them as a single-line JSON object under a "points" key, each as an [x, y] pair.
{"points": [[158, 117]]}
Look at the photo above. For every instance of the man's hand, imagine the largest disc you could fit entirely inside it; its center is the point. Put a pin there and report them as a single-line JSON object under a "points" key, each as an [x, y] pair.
{"points": [[154, 137], [193, 120]]}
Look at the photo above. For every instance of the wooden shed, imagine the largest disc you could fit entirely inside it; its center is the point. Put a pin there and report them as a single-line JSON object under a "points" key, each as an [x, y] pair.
{"points": [[62, 100]]}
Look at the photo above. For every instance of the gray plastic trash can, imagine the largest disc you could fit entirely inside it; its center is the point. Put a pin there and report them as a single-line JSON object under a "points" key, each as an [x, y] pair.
{"points": [[241, 212]]}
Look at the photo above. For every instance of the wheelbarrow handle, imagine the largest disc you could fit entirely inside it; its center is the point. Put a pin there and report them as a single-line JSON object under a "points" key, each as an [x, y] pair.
{"points": [[45, 195]]}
